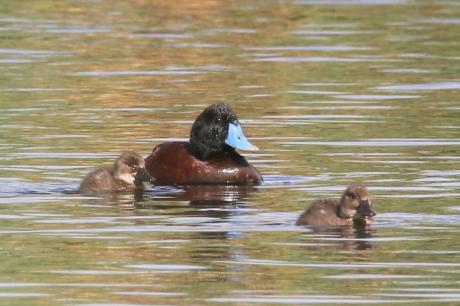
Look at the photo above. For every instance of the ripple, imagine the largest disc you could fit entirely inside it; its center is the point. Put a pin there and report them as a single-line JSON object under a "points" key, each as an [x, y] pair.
{"points": [[162, 35], [33, 52], [341, 265], [91, 272], [80, 155], [102, 73], [315, 116], [107, 304], [314, 92], [408, 70], [351, 2], [452, 21], [22, 295], [191, 70], [376, 97], [86, 284], [235, 31], [307, 48], [418, 218], [150, 293], [15, 61], [331, 32], [304, 299], [40, 90], [78, 30], [380, 143], [371, 276], [320, 59], [446, 297], [14, 217], [73, 220], [166, 267], [422, 86], [371, 239], [197, 45], [32, 199]]}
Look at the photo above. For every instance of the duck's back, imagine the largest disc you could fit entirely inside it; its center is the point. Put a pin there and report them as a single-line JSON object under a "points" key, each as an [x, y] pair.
{"points": [[99, 180], [173, 163], [320, 213]]}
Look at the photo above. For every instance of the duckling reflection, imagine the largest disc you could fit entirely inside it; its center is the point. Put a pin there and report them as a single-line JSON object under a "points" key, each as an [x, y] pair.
{"points": [[341, 237], [353, 208], [128, 172]]}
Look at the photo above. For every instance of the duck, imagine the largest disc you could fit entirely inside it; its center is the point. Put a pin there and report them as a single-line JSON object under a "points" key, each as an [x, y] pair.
{"points": [[209, 157], [353, 208], [127, 172]]}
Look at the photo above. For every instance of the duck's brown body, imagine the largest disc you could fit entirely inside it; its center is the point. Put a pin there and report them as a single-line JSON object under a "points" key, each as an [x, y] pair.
{"points": [[173, 163], [323, 213]]}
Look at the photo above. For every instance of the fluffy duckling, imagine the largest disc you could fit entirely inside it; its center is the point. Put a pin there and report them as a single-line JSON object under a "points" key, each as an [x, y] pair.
{"points": [[354, 207], [127, 172]]}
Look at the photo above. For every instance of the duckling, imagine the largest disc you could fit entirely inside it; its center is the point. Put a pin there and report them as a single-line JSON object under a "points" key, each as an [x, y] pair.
{"points": [[127, 172], [354, 207]]}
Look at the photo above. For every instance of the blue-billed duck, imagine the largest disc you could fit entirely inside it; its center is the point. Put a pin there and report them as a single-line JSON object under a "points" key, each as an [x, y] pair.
{"points": [[209, 157], [354, 207], [127, 172]]}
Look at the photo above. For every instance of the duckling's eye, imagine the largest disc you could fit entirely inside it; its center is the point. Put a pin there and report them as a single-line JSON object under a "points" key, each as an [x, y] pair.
{"points": [[351, 195]]}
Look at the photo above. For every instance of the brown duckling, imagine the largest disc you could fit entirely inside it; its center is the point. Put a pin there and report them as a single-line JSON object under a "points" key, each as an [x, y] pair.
{"points": [[127, 172], [354, 207]]}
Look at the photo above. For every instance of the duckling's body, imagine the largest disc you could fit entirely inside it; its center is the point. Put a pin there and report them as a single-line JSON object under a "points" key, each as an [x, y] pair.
{"points": [[323, 212], [209, 157], [127, 172], [354, 207]]}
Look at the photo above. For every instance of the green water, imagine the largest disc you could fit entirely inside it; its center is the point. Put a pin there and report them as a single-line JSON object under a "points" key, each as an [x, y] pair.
{"points": [[333, 92]]}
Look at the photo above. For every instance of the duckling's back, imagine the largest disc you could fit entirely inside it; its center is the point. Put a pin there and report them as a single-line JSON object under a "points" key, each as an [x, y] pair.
{"points": [[320, 213], [99, 180]]}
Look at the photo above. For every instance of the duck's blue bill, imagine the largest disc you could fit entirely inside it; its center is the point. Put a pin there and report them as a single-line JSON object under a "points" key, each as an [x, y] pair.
{"points": [[237, 140]]}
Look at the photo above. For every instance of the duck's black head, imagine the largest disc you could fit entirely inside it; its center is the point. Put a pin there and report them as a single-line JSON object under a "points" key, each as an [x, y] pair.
{"points": [[217, 130]]}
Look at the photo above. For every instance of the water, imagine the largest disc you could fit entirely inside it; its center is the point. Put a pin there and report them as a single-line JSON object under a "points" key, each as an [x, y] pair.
{"points": [[333, 92]]}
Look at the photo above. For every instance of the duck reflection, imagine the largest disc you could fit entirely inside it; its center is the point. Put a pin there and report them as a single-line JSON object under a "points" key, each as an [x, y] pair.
{"points": [[212, 207], [200, 196]]}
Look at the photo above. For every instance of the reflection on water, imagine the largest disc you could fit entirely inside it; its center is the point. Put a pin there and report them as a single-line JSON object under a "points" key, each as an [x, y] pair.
{"points": [[333, 92]]}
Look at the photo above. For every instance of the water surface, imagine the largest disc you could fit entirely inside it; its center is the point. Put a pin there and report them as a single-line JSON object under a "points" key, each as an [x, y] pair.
{"points": [[333, 92]]}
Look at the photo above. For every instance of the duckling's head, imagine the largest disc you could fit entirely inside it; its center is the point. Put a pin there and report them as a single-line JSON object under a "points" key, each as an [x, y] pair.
{"points": [[355, 204], [130, 168]]}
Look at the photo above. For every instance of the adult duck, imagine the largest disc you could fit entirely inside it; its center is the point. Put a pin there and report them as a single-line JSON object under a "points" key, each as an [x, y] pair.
{"points": [[210, 157]]}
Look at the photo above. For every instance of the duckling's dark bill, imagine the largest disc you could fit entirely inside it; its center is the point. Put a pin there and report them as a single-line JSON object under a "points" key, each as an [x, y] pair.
{"points": [[364, 208], [236, 139], [143, 176]]}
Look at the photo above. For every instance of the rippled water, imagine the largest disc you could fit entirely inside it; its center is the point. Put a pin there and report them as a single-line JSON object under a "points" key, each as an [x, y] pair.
{"points": [[333, 92]]}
